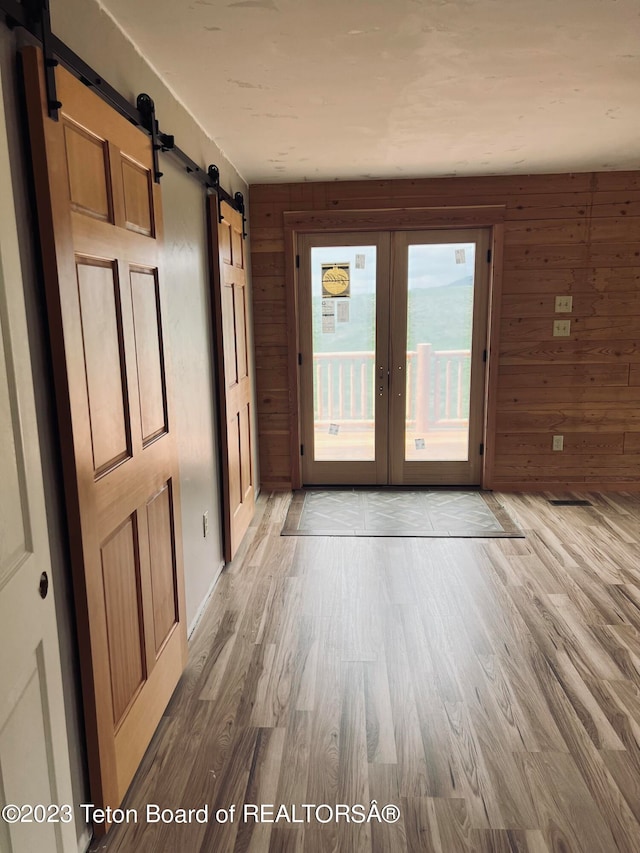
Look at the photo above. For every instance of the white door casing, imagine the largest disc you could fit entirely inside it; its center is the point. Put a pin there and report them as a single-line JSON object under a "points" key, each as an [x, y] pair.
{"points": [[34, 757]]}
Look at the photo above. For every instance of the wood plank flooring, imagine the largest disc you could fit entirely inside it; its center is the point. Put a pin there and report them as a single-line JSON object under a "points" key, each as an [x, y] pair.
{"points": [[488, 688]]}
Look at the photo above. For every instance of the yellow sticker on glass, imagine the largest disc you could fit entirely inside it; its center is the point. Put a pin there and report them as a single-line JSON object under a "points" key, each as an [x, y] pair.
{"points": [[336, 280]]}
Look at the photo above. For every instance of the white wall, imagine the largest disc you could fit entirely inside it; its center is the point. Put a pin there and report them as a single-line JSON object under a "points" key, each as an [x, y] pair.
{"points": [[95, 37], [188, 323]]}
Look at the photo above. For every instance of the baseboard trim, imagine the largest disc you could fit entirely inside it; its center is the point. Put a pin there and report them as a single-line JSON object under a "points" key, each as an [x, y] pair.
{"points": [[84, 841], [275, 487], [203, 605], [575, 488]]}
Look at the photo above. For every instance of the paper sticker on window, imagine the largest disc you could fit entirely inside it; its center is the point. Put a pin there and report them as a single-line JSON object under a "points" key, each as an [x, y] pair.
{"points": [[336, 280], [328, 316], [334, 429], [360, 262], [343, 311], [460, 256], [420, 445]]}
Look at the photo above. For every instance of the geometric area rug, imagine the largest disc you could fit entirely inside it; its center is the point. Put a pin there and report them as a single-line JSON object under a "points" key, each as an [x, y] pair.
{"points": [[398, 512]]}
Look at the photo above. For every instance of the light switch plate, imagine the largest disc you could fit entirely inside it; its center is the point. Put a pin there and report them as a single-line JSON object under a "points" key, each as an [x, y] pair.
{"points": [[558, 442], [561, 328], [564, 304]]}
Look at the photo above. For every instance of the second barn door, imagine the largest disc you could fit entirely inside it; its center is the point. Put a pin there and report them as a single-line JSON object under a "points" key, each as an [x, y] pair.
{"points": [[233, 360]]}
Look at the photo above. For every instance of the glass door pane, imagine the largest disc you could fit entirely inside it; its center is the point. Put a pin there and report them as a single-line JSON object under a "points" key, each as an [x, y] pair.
{"points": [[440, 308], [438, 336], [343, 311], [343, 303]]}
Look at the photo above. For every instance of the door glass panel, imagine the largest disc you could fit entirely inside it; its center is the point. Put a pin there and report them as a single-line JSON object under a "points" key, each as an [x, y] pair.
{"points": [[439, 327], [343, 287]]}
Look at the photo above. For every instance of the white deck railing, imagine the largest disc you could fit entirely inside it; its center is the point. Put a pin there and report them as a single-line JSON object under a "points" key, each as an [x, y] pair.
{"points": [[437, 387]]}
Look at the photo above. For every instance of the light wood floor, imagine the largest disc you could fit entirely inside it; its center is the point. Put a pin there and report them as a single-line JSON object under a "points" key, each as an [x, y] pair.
{"points": [[490, 689]]}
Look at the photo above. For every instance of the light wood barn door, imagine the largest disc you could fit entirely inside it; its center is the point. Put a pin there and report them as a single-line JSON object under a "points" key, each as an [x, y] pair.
{"points": [[101, 230], [235, 387]]}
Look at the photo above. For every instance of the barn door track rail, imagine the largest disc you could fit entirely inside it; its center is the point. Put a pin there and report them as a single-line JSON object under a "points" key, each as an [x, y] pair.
{"points": [[35, 17]]}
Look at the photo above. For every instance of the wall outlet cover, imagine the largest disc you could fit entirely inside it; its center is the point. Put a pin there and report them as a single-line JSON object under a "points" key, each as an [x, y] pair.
{"points": [[558, 442], [564, 304], [561, 328]]}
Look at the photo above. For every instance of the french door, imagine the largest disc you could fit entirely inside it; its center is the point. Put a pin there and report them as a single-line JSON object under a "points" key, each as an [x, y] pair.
{"points": [[392, 340]]}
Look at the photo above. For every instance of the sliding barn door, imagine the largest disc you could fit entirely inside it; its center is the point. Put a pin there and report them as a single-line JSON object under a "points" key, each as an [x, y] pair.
{"points": [[231, 304], [101, 231]]}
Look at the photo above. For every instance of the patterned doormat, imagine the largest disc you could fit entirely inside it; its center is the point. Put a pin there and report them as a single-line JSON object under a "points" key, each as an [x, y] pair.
{"points": [[415, 512]]}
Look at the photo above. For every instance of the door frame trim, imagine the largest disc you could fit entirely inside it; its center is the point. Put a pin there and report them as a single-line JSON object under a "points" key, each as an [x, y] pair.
{"points": [[394, 219]]}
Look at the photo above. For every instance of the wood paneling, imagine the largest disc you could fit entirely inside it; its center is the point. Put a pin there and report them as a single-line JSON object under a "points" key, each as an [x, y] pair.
{"points": [[617, 181], [548, 206], [563, 375], [573, 234], [584, 305], [534, 257], [556, 352], [543, 232], [616, 203], [539, 443], [632, 442]]}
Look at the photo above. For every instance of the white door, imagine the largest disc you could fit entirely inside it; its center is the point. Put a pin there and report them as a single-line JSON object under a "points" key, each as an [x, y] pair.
{"points": [[393, 327], [34, 761]]}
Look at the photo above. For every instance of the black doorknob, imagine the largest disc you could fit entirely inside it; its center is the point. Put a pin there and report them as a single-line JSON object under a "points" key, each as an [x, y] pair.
{"points": [[44, 585]]}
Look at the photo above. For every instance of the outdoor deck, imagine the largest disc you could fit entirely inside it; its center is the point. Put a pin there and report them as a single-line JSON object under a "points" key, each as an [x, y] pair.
{"points": [[436, 405], [355, 444]]}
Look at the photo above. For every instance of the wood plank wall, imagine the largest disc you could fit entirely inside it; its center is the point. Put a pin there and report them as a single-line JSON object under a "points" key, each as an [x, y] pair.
{"points": [[576, 234]]}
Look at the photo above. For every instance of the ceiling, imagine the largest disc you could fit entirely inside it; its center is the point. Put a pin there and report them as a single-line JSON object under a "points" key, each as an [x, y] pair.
{"points": [[325, 89]]}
